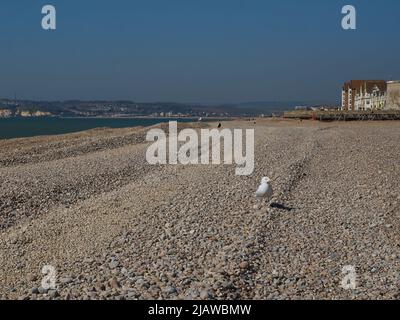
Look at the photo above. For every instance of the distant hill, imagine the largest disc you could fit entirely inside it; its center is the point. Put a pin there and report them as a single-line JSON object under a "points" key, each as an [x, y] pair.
{"points": [[77, 108]]}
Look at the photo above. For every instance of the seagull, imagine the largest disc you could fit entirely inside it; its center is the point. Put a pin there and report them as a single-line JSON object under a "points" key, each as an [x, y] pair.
{"points": [[264, 190]]}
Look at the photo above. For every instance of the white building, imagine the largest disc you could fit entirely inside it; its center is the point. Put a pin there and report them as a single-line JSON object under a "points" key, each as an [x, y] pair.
{"points": [[370, 97], [360, 95], [393, 95]]}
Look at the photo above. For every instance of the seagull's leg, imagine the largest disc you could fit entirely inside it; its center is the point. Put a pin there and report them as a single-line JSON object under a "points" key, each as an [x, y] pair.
{"points": [[263, 204], [258, 204]]}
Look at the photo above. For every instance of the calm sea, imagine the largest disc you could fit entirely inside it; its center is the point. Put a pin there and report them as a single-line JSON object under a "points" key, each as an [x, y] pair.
{"points": [[29, 127]]}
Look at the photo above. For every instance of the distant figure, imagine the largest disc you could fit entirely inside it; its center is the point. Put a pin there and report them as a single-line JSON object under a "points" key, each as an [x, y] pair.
{"points": [[265, 190], [200, 119], [219, 125]]}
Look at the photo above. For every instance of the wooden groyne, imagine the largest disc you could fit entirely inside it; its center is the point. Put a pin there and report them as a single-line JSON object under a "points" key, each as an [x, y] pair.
{"points": [[343, 115]]}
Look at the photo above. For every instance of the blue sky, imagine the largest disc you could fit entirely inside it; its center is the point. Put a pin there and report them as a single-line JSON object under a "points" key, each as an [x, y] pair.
{"points": [[206, 51]]}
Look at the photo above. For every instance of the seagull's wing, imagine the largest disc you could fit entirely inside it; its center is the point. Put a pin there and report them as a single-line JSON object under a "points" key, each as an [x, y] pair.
{"points": [[262, 190]]}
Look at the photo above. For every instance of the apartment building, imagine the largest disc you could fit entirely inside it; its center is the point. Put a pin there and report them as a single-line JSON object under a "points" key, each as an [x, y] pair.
{"points": [[364, 95]]}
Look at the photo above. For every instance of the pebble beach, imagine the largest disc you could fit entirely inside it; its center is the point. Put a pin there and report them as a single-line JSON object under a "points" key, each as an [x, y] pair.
{"points": [[115, 227]]}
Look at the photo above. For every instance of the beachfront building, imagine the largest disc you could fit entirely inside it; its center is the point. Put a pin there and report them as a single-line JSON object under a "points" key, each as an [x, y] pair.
{"points": [[371, 96], [364, 95], [393, 95]]}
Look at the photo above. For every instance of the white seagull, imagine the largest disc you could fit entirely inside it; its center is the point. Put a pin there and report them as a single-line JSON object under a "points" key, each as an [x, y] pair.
{"points": [[265, 190]]}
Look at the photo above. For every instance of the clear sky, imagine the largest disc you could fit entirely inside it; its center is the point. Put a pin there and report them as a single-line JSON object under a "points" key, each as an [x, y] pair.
{"points": [[203, 51]]}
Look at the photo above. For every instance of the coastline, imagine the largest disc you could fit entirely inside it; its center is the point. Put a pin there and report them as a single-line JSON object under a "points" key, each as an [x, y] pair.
{"points": [[14, 128]]}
